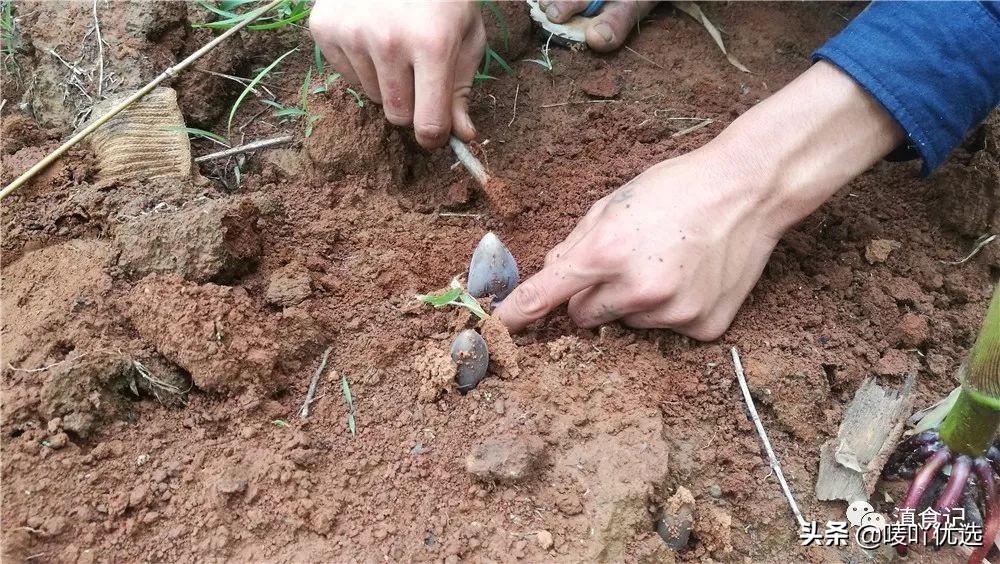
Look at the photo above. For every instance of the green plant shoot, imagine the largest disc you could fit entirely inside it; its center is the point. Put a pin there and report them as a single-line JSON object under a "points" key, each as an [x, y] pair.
{"points": [[972, 423], [457, 296], [349, 401]]}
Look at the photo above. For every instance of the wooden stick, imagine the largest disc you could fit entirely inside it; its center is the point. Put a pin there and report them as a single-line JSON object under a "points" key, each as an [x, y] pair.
{"points": [[311, 394], [468, 160], [252, 146], [694, 127], [763, 437], [169, 73]]}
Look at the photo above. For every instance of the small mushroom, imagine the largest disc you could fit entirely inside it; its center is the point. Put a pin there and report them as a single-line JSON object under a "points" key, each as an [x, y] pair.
{"points": [[470, 353], [493, 270]]}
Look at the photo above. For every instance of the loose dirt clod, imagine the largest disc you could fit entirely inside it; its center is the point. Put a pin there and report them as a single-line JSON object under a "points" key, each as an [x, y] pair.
{"points": [[508, 459], [289, 285], [878, 250], [209, 241]]}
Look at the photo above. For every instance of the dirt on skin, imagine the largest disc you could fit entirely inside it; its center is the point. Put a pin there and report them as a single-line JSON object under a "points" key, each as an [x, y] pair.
{"points": [[610, 422]]}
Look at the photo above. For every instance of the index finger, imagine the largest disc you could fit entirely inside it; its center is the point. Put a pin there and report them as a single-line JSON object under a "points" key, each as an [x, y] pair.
{"points": [[434, 83], [552, 286]]}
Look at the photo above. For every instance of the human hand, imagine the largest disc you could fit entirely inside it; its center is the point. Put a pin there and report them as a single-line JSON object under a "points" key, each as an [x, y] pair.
{"points": [[607, 30], [678, 247], [682, 244], [417, 59]]}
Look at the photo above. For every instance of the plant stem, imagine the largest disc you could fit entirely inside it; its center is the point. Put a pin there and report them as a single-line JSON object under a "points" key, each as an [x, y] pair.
{"points": [[983, 372], [972, 423]]}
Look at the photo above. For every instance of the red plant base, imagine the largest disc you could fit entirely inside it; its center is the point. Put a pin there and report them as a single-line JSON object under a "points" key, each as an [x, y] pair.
{"points": [[923, 458]]}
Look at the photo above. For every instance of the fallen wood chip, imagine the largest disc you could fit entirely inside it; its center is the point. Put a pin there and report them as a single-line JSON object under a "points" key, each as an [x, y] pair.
{"points": [[851, 463]]}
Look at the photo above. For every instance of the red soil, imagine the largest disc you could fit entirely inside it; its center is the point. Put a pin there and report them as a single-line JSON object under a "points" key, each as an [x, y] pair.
{"points": [[343, 229]]}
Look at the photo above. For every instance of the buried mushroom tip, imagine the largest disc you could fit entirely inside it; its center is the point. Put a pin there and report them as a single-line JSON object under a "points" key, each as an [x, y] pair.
{"points": [[493, 270], [469, 352]]}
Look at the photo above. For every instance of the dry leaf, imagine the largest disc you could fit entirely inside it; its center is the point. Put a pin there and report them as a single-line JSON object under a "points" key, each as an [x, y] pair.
{"points": [[693, 10]]}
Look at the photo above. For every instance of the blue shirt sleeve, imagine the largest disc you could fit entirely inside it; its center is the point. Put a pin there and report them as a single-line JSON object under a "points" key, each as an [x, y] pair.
{"points": [[934, 66]]}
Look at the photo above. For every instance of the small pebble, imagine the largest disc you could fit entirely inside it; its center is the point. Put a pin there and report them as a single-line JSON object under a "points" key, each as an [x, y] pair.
{"points": [[544, 539], [715, 491]]}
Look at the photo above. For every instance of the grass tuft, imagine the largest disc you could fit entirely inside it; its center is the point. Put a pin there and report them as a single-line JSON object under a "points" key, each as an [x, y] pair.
{"points": [[287, 13], [260, 76]]}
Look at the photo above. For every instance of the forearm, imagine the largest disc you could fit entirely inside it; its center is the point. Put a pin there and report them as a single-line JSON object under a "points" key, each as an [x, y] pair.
{"points": [[798, 147]]}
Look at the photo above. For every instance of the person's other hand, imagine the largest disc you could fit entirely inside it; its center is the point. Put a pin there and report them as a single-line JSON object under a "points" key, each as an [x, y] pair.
{"points": [[607, 30], [682, 245], [417, 59]]}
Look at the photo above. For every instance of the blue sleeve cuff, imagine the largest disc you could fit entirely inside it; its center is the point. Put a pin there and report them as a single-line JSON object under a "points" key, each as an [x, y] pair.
{"points": [[934, 66]]}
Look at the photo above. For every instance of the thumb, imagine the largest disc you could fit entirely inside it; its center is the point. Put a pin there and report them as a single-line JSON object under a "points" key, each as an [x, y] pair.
{"points": [[461, 123]]}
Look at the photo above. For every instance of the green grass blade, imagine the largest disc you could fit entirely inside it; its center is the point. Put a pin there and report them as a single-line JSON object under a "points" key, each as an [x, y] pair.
{"points": [[220, 24], [229, 5], [496, 57], [473, 305], [357, 97], [260, 76], [318, 60], [501, 23], [200, 133], [304, 91], [310, 123], [286, 112], [442, 299], [219, 11], [346, 389], [280, 23]]}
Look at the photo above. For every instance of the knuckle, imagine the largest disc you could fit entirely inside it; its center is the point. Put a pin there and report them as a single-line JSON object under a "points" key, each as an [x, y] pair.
{"points": [[605, 245], [529, 299], [438, 46], [684, 317], [705, 332], [653, 293]]}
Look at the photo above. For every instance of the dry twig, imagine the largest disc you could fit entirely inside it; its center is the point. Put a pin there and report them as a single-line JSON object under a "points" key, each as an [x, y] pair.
{"points": [[468, 160], [516, 92], [573, 103], [694, 127], [252, 146], [775, 467], [980, 245], [645, 58], [311, 394]]}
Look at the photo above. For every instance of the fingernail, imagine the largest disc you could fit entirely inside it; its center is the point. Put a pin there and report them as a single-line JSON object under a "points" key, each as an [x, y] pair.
{"points": [[604, 30], [552, 12]]}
